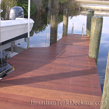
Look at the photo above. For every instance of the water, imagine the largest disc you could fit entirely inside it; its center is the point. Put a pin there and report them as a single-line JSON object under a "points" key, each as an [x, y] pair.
{"points": [[40, 37], [103, 52]]}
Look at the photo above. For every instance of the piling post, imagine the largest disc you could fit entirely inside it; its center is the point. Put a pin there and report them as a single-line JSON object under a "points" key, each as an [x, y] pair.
{"points": [[54, 21], [96, 30], [65, 22], [49, 12], [90, 13], [105, 95]]}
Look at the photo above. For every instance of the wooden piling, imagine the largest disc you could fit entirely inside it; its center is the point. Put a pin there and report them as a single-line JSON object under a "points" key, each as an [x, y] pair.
{"points": [[54, 21], [90, 13], [49, 12], [96, 30], [65, 21], [105, 96]]}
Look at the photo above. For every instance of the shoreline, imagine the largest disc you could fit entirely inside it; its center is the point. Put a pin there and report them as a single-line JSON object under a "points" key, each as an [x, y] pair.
{"points": [[94, 5], [97, 2]]}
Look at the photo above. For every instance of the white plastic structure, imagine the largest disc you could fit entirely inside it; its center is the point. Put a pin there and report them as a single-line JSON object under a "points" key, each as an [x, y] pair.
{"points": [[28, 22], [78, 27], [13, 28]]}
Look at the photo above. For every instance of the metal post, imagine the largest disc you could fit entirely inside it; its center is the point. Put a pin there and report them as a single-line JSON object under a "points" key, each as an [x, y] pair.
{"points": [[72, 28], [28, 42], [89, 17], [12, 46], [105, 95], [96, 30], [83, 30], [28, 22], [46, 36], [65, 22], [0, 39]]}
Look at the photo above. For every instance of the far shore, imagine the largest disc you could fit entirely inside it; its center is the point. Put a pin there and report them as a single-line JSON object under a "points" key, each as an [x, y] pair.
{"points": [[93, 2]]}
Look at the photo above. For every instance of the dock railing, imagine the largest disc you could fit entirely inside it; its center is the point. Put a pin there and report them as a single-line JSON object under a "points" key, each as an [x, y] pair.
{"points": [[82, 27]]}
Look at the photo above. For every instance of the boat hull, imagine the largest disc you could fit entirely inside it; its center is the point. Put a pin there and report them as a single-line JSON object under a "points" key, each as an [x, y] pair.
{"points": [[14, 28]]}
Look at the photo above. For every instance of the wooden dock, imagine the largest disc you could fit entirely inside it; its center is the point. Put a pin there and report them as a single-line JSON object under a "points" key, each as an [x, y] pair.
{"points": [[61, 76]]}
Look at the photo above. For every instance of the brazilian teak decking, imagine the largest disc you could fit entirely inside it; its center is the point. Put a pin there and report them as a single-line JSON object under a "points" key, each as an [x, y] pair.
{"points": [[61, 76]]}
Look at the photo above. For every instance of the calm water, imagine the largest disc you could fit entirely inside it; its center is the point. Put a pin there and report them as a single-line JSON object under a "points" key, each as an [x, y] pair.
{"points": [[41, 38]]}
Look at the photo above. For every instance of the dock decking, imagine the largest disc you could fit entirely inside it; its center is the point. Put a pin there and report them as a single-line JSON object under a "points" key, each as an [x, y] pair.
{"points": [[61, 76]]}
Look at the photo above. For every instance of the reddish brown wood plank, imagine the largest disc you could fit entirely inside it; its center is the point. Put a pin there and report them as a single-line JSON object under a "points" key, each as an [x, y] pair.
{"points": [[61, 72]]}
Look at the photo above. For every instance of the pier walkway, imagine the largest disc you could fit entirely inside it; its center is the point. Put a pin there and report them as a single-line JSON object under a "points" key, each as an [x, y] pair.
{"points": [[61, 76]]}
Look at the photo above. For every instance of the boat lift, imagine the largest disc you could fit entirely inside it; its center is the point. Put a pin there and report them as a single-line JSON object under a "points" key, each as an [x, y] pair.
{"points": [[29, 28]]}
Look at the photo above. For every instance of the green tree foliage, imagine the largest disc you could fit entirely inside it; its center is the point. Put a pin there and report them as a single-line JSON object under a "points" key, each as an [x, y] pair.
{"points": [[3, 7], [63, 1], [45, 3], [24, 5], [73, 6], [40, 22], [6, 5]]}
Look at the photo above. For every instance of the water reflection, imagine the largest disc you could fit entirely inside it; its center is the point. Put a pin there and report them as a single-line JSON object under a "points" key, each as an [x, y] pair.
{"points": [[40, 24]]}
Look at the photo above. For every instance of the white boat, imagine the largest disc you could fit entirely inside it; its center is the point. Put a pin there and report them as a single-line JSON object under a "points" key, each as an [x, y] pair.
{"points": [[14, 28], [17, 26]]}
